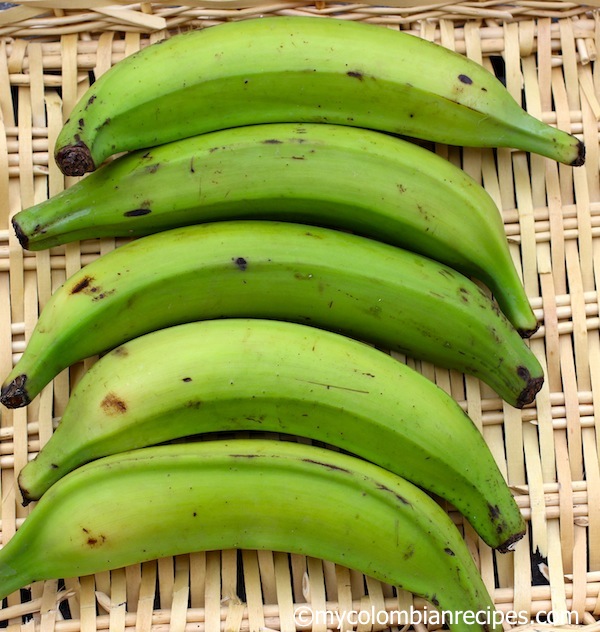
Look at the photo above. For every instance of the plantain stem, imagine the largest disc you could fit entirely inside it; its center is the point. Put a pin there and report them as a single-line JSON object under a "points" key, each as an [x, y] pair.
{"points": [[75, 160]]}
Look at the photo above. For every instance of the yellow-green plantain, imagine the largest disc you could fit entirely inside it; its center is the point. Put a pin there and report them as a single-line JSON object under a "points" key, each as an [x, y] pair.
{"points": [[299, 69], [332, 175], [250, 494], [281, 271], [261, 375]]}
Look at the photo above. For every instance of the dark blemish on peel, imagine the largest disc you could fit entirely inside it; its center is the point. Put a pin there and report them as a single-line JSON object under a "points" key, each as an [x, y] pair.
{"points": [[137, 212], [302, 276], [121, 351], [494, 511], [113, 405], [272, 141], [241, 263], [465, 79], [102, 295], [53, 466], [81, 123], [82, 285], [94, 541], [245, 456], [450, 552], [90, 101], [391, 491], [329, 466], [355, 75], [186, 379], [153, 168], [106, 122]]}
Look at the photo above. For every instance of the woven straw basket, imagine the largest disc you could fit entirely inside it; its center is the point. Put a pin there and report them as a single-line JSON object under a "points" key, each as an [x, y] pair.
{"points": [[549, 452]]}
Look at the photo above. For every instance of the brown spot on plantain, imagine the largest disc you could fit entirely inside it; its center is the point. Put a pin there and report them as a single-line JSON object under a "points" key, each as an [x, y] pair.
{"points": [[137, 212], [355, 74], [464, 294], [103, 124], [93, 540], [121, 351], [384, 488], [241, 263], [329, 466], [113, 405], [81, 285], [101, 295], [494, 512]]}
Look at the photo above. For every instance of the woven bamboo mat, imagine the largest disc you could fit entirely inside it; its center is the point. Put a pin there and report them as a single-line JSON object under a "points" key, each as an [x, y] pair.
{"points": [[549, 452]]}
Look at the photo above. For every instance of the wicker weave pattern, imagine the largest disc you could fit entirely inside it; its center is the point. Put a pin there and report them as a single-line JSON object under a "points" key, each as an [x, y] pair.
{"points": [[549, 452]]}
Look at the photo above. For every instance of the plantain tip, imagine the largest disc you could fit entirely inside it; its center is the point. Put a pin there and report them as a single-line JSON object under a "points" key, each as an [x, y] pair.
{"points": [[75, 160], [580, 160], [527, 333], [532, 387], [21, 236], [510, 543], [14, 394]]}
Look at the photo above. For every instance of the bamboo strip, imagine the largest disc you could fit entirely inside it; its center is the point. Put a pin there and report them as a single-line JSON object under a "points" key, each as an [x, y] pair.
{"points": [[196, 617]]}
